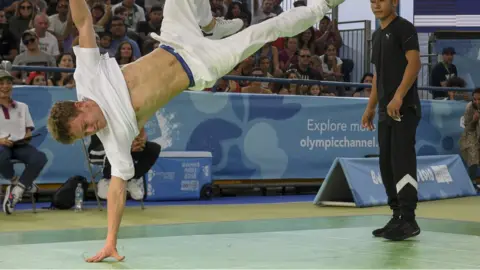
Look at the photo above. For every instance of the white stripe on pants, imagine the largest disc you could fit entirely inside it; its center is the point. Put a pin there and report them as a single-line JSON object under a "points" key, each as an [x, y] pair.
{"points": [[208, 59]]}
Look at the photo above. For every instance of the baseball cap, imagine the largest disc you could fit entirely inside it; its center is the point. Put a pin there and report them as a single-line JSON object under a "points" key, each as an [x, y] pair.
{"points": [[448, 50], [5, 74]]}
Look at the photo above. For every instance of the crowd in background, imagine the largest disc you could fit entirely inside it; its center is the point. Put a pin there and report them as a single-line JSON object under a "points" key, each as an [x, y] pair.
{"points": [[41, 33]]}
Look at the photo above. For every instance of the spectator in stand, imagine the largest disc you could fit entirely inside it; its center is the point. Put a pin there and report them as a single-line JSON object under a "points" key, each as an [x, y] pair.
{"points": [[101, 15], [8, 43], [327, 34], [135, 13], [15, 125], [36, 78], [58, 21], [32, 56], [470, 138], [64, 60], [293, 89], [48, 42], [271, 53], [256, 87], [238, 10], [23, 18], [105, 42], [245, 68], [457, 82], [443, 71], [314, 90], [332, 69], [265, 66], [361, 91], [124, 54], [306, 40], [305, 70], [277, 8], [119, 35], [289, 55], [154, 23], [263, 9]]}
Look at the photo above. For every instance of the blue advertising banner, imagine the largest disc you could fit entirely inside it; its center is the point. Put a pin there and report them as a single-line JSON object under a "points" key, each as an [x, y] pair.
{"points": [[357, 181], [253, 136]]}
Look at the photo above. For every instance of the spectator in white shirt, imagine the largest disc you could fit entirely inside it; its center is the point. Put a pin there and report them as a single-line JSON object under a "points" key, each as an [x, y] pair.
{"points": [[47, 41], [58, 22], [16, 128], [135, 13]]}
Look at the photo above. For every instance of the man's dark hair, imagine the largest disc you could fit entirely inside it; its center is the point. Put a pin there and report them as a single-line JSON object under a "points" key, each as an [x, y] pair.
{"points": [[456, 82], [476, 91]]}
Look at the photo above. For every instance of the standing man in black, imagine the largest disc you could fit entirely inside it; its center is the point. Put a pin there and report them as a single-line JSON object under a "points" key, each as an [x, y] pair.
{"points": [[396, 58]]}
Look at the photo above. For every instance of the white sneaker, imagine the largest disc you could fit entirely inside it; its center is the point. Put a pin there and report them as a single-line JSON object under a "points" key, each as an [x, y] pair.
{"points": [[136, 188], [12, 197], [102, 187], [334, 3], [224, 28]]}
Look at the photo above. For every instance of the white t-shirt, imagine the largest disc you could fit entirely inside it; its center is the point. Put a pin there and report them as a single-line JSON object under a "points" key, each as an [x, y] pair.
{"points": [[99, 78], [15, 122], [48, 44]]}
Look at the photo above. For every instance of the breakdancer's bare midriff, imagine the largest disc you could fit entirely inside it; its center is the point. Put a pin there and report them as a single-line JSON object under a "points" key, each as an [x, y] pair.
{"points": [[153, 81]]}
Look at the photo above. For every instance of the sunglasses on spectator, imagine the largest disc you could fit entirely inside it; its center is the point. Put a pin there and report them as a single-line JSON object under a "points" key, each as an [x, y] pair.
{"points": [[28, 40], [26, 7], [304, 55]]}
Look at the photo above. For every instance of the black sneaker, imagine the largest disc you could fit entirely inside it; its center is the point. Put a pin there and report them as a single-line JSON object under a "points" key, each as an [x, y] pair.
{"points": [[404, 230], [394, 221]]}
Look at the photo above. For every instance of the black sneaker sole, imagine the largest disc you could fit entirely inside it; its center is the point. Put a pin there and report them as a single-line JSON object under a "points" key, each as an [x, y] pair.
{"points": [[402, 237]]}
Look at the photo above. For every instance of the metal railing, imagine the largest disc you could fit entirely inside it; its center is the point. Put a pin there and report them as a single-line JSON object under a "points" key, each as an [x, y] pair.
{"points": [[258, 79]]}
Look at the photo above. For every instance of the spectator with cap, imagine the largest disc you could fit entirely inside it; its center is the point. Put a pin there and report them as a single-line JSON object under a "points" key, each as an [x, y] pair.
{"points": [[16, 128], [32, 56], [47, 41], [443, 71]]}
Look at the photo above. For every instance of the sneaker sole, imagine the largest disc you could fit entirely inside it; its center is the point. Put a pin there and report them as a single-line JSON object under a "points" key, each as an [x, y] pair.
{"points": [[416, 233], [5, 201]]}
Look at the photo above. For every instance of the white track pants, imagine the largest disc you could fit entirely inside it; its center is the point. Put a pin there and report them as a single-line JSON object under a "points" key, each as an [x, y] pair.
{"points": [[210, 60]]}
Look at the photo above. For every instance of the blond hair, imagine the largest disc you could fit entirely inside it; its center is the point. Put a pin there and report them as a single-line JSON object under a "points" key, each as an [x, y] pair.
{"points": [[59, 121]]}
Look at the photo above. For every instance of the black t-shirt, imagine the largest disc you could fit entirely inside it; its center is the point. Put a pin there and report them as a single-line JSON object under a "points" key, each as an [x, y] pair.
{"points": [[389, 48], [441, 72]]}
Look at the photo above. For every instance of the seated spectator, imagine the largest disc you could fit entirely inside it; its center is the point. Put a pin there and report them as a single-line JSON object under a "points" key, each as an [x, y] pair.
{"points": [[105, 42], [124, 54], [64, 60], [238, 10], [306, 40], [442, 72], [23, 18], [58, 22], [328, 33], [283, 91], [8, 43], [289, 55], [364, 92], [33, 56], [470, 138], [314, 90], [36, 78], [332, 69], [457, 82], [47, 41], [256, 87], [265, 66], [16, 128], [101, 15], [154, 23], [119, 35], [293, 89], [135, 13], [271, 53], [305, 70], [245, 68], [144, 154], [263, 9]]}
